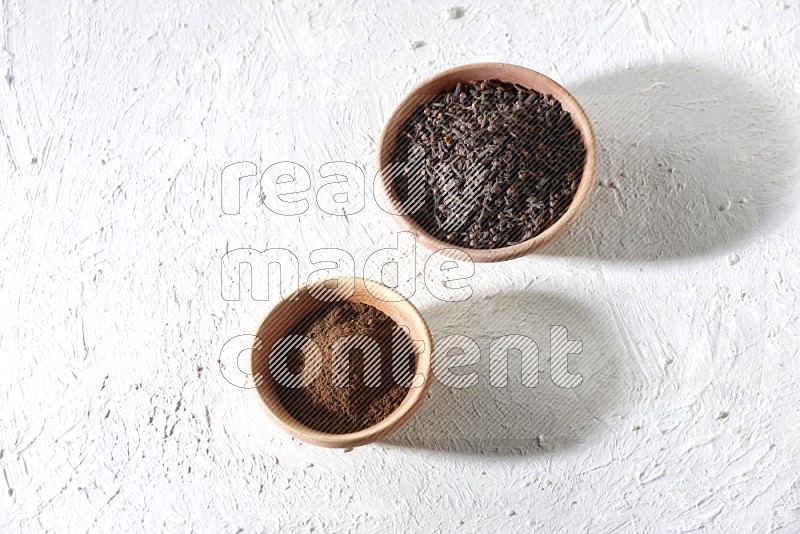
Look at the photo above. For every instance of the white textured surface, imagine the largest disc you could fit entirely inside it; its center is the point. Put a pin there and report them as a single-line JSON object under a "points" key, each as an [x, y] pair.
{"points": [[681, 280]]}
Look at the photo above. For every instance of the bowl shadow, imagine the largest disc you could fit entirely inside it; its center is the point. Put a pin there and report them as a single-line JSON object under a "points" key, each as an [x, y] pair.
{"points": [[693, 161], [516, 419]]}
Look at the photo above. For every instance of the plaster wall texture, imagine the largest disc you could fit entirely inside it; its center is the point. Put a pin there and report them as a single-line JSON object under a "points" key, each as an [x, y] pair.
{"points": [[681, 279]]}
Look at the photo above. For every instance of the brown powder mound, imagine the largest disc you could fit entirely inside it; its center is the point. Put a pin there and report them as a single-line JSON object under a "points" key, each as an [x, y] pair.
{"points": [[371, 392]]}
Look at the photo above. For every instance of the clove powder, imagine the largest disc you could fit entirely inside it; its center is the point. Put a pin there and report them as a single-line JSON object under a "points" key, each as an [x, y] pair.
{"points": [[349, 389]]}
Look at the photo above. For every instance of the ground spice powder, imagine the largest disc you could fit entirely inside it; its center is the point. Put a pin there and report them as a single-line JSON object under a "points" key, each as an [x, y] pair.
{"points": [[372, 390]]}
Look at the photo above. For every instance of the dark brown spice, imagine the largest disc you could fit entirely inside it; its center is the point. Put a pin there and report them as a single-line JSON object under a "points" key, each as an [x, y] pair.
{"points": [[487, 165], [343, 399]]}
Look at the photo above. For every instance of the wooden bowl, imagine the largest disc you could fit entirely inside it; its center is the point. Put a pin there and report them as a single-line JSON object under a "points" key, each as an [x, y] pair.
{"points": [[287, 313], [447, 81]]}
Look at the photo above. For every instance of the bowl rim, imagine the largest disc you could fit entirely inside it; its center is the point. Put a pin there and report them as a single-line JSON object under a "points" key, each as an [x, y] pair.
{"points": [[579, 202], [383, 428]]}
